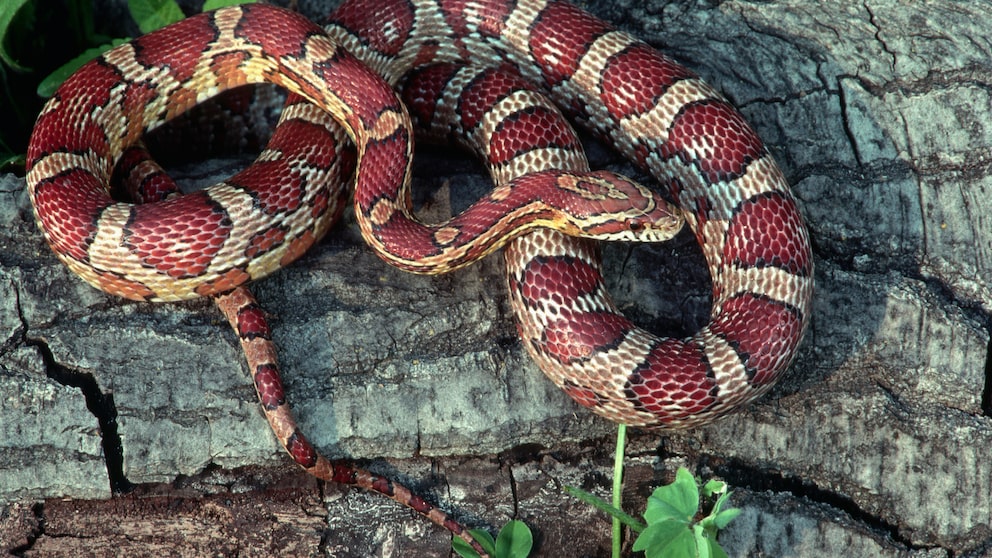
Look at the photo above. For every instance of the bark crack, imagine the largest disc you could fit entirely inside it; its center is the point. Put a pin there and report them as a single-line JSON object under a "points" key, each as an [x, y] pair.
{"points": [[759, 479], [846, 121], [100, 404], [513, 491], [31, 537], [987, 390], [873, 21]]}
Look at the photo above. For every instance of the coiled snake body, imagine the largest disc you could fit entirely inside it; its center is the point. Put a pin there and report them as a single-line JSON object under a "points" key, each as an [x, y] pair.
{"points": [[658, 114]]}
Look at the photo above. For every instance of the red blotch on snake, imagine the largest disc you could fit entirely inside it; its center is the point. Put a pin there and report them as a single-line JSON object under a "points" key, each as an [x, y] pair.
{"points": [[179, 237]]}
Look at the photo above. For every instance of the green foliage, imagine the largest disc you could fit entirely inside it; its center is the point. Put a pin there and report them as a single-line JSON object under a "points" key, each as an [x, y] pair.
{"points": [[8, 11], [53, 80], [36, 36], [670, 529], [514, 541], [604, 506], [154, 14], [214, 4], [42, 42]]}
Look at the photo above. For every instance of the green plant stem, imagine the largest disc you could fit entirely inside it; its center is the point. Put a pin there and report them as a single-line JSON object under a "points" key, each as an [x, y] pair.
{"points": [[618, 487]]}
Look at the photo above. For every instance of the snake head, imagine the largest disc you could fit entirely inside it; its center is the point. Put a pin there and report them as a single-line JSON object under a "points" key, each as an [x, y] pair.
{"points": [[607, 206]]}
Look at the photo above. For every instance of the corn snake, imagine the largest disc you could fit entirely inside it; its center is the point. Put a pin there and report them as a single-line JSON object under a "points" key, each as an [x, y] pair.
{"points": [[663, 118]]}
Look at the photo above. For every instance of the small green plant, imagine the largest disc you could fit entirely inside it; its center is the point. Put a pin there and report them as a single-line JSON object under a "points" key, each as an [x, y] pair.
{"points": [[514, 541], [670, 528]]}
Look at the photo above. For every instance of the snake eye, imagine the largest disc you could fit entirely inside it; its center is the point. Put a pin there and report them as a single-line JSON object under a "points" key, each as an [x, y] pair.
{"points": [[635, 226]]}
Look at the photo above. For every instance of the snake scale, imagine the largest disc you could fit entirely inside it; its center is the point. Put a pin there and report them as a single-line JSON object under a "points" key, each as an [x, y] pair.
{"points": [[480, 71]]}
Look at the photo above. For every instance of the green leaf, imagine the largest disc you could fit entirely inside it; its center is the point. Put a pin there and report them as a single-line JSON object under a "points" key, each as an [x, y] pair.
{"points": [[154, 14], [708, 548], [721, 519], [666, 539], [8, 11], [714, 486], [463, 549], [678, 500], [701, 542], [52, 82], [514, 540], [720, 502], [214, 4], [85, 26], [716, 551], [604, 506], [11, 159], [660, 510], [482, 537]]}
